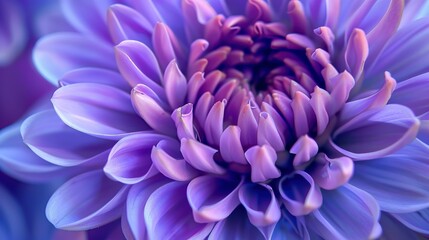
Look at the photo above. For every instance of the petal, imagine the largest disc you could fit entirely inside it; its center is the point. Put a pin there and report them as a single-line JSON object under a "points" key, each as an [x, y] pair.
{"points": [[268, 132], [12, 217], [304, 149], [320, 102], [57, 143], [213, 198], [87, 16], [413, 94], [138, 64], [183, 117], [167, 211], [356, 218], [213, 126], [248, 125], [401, 50], [125, 23], [393, 229], [84, 107], [290, 227], [417, 221], [130, 159], [300, 194], [99, 201], [136, 202], [384, 131], [262, 159], [95, 75], [230, 145], [13, 34], [236, 227], [175, 85], [200, 156], [332, 173], [375, 100], [356, 53], [17, 159], [165, 45], [397, 188], [149, 106], [260, 203], [196, 14], [303, 113], [168, 160], [70, 51]]}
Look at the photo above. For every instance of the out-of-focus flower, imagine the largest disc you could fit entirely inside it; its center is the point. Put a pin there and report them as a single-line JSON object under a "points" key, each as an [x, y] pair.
{"points": [[237, 119]]}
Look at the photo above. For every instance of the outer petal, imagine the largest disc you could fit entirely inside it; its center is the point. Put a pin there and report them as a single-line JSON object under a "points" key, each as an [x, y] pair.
{"points": [[175, 85], [88, 16], [130, 159], [167, 212], [86, 201], [17, 159], [95, 75], [393, 229], [356, 218], [379, 131], [417, 221], [401, 50], [136, 202], [290, 227], [230, 145], [85, 108], [213, 198], [413, 94], [70, 51], [52, 140], [300, 194], [13, 33], [398, 181]]}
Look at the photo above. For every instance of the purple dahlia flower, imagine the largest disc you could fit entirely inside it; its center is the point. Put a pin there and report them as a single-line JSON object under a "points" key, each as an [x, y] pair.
{"points": [[238, 119]]}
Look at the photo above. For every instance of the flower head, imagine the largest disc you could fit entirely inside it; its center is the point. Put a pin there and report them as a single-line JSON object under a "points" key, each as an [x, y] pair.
{"points": [[236, 119]]}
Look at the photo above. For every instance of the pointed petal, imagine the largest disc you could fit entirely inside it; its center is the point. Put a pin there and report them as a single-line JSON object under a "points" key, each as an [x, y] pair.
{"points": [[138, 64], [167, 212], [99, 201], [84, 107], [125, 23], [71, 51], [304, 149], [380, 177], [149, 107], [196, 14], [262, 160], [248, 125], [300, 194], [375, 100], [213, 198], [356, 218], [230, 145], [130, 159], [356, 52], [260, 203], [384, 130], [166, 158], [303, 113], [213, 126], [57, 143], [165, 45], [200, 156], [174, 85], [183, 117], [268, 132]]}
